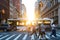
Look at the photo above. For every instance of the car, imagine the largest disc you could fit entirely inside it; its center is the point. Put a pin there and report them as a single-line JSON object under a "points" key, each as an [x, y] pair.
{"points": [[6, 27]]}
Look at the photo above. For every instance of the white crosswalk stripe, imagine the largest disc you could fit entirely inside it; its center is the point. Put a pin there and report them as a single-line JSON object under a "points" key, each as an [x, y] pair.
{"points": [[24, 38], [32, 37], [47, 36], [3, 37], [10, 37], [7, 37], [17, 36], [4, 33], [58, 35], [54, 36]]}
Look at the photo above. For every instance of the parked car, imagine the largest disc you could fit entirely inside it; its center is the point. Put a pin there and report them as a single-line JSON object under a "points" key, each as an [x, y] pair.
{"points": [[6, 27]]}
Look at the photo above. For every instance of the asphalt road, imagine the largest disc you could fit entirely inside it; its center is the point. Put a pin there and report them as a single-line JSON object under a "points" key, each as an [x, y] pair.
{"points": [[25, 36]]}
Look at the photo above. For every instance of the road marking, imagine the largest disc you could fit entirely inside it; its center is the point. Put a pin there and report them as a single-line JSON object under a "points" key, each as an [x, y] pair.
{"points": [[53, 36], [58, 35], [10, 37], [39, 37], [47, 37], [24, 38], [37, 34], [3, 37], [4, 33], [17, 36], [32, 37]]}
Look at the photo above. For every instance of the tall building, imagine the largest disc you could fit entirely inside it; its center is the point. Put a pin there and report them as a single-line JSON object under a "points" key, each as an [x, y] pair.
{"points": [[37, 9], [51, 9], [4, 10], [17, 5], [24, 15], [13, 12], [15, 9]]}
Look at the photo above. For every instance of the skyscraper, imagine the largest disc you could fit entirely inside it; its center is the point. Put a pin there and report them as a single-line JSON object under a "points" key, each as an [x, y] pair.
{"points": [[15, 8], [37, 9], [23, 11], [4, 10], [16, 3]]}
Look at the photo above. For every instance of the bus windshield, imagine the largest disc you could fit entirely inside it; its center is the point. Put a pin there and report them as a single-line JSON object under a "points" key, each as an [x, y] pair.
{"points": [[45, 21], [16, 22]]}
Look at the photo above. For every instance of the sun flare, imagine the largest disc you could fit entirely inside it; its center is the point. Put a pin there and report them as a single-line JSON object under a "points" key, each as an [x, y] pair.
{"points": [[29, 9]]}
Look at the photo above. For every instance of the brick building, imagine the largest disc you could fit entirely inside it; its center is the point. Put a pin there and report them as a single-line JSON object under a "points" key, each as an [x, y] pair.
{"points": [[4, 10]]}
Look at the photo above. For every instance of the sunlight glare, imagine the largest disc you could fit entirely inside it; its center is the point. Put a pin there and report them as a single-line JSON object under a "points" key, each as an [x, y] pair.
{"points": [[29, 8]]}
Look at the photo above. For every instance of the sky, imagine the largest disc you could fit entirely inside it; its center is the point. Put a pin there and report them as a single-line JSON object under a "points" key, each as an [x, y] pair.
{"points": [[29, 4]]}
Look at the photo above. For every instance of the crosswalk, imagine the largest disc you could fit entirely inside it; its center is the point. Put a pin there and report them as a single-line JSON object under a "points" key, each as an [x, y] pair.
{"points": [[17, 36], [22, 36]]}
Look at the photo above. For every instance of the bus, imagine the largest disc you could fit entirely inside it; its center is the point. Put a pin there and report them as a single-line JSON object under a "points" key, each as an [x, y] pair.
{"points": [[17, 22], [46, 21]]}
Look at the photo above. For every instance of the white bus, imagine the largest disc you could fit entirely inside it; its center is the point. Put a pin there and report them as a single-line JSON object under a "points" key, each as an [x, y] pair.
{"points": [[46, 21], [17, 22]]}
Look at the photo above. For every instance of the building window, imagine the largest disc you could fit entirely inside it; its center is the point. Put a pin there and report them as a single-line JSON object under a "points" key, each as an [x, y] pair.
{"points": [[53, 13], [52, 3], [56, 1], [56, 12]]}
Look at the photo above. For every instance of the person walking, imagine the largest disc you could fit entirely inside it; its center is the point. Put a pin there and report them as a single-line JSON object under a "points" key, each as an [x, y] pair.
{"points": [[33, 32], [53, 26], [39, 30], [42, 28]]}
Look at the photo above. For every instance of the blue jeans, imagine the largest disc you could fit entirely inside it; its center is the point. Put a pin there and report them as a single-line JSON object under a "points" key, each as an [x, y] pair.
{"points": [[53, 32]]}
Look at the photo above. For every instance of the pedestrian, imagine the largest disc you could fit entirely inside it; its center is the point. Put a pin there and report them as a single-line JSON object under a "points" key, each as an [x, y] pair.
{"points": [[53, 26], [34, 30], [42, 28], [39, 30]]}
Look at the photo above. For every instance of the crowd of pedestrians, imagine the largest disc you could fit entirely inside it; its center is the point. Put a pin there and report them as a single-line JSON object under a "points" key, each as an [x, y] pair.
{"points": [[42, 32]]}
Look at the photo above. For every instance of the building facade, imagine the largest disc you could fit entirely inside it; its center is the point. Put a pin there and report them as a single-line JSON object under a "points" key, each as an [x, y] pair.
{"points": [[13, 12], [17, 5], [37, 9], [15, 9], [4, 10], [24, 15], [51, 9]]}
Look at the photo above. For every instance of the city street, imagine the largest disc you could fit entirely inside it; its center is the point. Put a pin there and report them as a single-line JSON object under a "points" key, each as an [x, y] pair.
{"points": [[30, 20], [24, 36]]}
